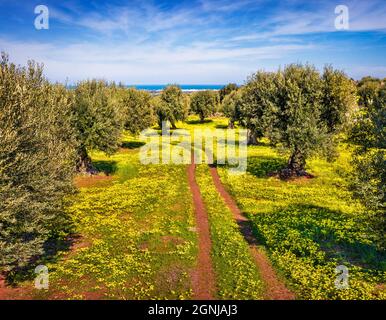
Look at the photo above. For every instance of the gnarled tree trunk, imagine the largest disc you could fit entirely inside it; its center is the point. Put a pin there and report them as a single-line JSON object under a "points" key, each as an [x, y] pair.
{"points": [[84, 163], [296, 165], [297, 162], [252, 137]]}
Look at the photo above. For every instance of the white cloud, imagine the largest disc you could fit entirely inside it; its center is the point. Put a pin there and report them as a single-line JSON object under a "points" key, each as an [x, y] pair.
{"points": [[377, 71], [225, 5], [363, 16], [142, 16], [145, 43], [147, 63]]}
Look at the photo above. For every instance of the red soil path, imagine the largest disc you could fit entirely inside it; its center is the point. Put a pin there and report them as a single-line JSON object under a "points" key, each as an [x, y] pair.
{"points": [[203, 278], [4, 292], [274, 288], [10, 293]]}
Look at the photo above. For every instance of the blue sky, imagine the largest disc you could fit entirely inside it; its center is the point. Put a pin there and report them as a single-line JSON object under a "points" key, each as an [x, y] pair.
{"points": [[190, 42]]}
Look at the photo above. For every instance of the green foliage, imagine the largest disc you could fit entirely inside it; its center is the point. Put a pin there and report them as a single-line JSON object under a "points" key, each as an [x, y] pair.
{"points": [[204, 103], [367, 90], [137, 109], [315, 241], [231, 106], [170, 106], [97, 120], [369, 161], [259, 105], [339, 99], [36, 162], [136, 233], [368, 79], [160, 110], [138, 241], [298, 109], [299, 127], [369, 181], [138, 229], [224, 91], [186, 108]]}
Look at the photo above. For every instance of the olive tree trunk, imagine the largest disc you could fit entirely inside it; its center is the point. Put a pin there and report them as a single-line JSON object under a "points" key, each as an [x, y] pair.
{"points": [[252, 137], [84, 163], [297, 162]]}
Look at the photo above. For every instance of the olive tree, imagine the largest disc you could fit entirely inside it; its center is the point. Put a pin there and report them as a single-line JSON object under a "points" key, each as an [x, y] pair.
{"points": [[367, 90], [259, 99], [159, 109], [172, 106], [299, 110], [369, 159], [204, 103], [231, 106], [97, 121], [224, 91], [37, 156], [339, 99], [137, 109], [311, 109]]}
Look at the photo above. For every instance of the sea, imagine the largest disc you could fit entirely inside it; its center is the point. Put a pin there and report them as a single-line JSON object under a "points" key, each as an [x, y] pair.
{"points": [[157, 88], [184, 87]]}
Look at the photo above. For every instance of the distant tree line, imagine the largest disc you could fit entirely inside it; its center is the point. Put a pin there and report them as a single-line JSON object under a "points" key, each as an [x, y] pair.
{"points": [[47, 131]]}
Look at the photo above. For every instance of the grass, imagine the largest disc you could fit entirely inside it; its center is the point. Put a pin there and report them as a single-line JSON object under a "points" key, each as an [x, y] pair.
{"points": [[136, 235], [310, 226], [136, 238], [237, 275]]}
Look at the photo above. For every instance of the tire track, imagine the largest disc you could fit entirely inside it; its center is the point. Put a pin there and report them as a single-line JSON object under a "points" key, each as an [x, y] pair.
{"points": [[275, 289], [203, 279]]}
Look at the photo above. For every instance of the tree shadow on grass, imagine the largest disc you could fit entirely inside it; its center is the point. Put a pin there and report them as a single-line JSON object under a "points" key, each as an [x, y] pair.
{"points": [[108, 167], [199, 121], [364, 255], [127, 171], [132, 144], [263, 166], [302, 228], [160, 132], [51, 248], [247, 230], [222, 126], [262, 143]]}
